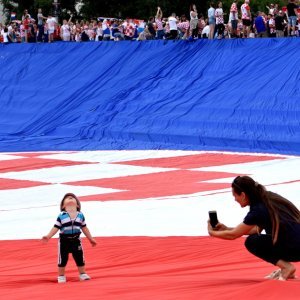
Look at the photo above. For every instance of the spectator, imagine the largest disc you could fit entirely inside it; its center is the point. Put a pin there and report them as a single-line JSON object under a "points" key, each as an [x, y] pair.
{"points": [[205, 32], [117, 31], [32, 31], [106, 30], [160, 33], [271, 26], [193, 21], [183, 27], [246, 18], [99, 32], [91, 32], [65, 31], [173, 26], [292, 17], [219, 20], [25, 13], [211, 20], [233, 18], [5, 36], [40, 25], [25, 22], [51, 24], [141, 27], [129, 29], [276, 9], [201, 25], [151, 29], [271, 9], [260, 25], [280, 24], [77, 31]]}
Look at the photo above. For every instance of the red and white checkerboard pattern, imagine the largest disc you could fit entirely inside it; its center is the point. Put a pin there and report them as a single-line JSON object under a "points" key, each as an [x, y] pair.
{"points": [[131, 193]]}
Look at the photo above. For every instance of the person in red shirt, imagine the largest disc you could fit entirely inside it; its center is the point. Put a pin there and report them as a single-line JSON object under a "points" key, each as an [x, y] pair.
{"points": [[26, 22]]}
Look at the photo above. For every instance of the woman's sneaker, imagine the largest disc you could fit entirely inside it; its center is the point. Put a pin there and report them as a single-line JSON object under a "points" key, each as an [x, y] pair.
{"points": [[61, 279], [84, 276]]}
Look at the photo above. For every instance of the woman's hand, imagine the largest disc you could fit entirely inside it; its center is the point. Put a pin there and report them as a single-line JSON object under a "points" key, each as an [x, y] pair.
{"points": [[209, 228], [223, 232], [218, 227]]}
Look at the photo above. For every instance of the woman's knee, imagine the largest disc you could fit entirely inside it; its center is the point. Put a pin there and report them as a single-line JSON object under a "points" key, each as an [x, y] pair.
{"points": [[251, 242]]}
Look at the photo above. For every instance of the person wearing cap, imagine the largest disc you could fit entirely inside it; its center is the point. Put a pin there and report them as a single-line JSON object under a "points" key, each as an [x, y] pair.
{"points": [[70, 222], [279, 218]]}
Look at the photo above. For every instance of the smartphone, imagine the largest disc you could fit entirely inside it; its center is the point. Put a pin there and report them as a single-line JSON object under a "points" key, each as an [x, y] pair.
{"points": [[213, 218]]}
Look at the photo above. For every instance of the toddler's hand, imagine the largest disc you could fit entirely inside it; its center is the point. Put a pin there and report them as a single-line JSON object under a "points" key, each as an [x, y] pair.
{"points": [[93, 242], [45, 239]]}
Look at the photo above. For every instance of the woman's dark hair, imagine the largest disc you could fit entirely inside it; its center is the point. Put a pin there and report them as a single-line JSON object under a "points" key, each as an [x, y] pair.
{"points": [[278, 207], [71, 195]]}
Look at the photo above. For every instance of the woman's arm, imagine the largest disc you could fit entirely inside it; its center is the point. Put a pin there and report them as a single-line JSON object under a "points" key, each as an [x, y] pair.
{"points": [[255, 230], [232, 233], [158, 13]]}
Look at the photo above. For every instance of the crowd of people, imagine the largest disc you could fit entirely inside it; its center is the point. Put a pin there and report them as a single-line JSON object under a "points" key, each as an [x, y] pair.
{"points": [[240, 22]]}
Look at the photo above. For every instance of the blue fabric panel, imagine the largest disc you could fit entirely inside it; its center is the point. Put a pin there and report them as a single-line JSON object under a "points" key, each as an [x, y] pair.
{"points": [[237, 95]]}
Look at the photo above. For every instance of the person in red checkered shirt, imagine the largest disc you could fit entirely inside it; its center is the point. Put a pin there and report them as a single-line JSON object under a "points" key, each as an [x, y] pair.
{"points": [[183, 27], [129, 29]]}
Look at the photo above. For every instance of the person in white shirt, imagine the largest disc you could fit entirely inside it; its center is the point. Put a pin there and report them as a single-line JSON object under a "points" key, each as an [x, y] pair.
{"points": [[4, 33], [246, 18], [65, 31], [205, 32], [51, 24], [173, 26]]}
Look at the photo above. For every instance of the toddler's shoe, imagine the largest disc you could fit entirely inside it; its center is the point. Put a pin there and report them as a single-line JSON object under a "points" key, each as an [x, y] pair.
{"points": [[84, 276], [61, 279]]}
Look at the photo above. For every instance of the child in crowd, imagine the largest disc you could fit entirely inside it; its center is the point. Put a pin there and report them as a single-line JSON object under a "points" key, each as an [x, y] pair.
{"points": [[70, 222]]}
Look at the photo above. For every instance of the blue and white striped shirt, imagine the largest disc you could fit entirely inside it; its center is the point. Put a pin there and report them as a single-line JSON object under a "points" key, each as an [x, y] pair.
{"points": [[69, 226]]}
